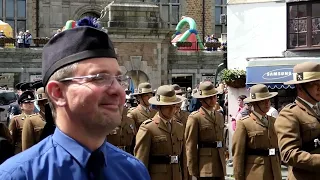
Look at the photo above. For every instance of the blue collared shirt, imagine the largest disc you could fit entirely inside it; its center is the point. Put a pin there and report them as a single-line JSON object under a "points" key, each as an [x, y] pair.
{"points": [[61, 157]]}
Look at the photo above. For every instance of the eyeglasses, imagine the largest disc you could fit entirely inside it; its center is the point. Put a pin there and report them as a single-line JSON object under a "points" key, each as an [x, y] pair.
{"points": [[102, 79]]}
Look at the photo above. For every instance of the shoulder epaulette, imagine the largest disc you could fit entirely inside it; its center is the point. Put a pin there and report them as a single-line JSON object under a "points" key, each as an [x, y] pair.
{"points": [[291, 105], [246, 117], [147, 121], [194, 112], [180, 123]]}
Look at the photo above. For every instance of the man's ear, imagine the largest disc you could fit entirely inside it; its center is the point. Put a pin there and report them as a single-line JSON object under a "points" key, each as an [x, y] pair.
{"points": [[55, 93]]}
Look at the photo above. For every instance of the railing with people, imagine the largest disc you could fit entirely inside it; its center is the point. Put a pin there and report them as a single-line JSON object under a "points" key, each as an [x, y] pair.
{"points": [[209, 46], [12, 42]]}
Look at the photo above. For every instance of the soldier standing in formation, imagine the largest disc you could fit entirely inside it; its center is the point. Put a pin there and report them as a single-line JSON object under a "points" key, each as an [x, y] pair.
{"points": [[160, 142], [123, 136], [33, 124], [298, 127], [254, 144], [204, 137], [180, 115], [16, 123], [143, 111]]}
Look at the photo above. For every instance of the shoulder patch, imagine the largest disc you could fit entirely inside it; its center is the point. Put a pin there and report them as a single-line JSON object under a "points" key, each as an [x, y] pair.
{"points": [[147, 121]]}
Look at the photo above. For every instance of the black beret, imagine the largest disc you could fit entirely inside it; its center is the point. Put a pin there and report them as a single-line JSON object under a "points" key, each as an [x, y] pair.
{"points": [[17, 86], [26, 96], [26, 86], [74, 45], [37, 84]]}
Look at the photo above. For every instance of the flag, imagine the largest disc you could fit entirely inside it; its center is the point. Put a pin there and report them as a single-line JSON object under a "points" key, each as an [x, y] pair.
{"points": [[131, 85]]}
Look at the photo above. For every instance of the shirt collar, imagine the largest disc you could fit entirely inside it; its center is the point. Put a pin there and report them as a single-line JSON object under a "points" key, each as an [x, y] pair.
{"points": [[309, 104], [164, 120], [144, 108], [208, 111], [257, 114], [79, 152]]}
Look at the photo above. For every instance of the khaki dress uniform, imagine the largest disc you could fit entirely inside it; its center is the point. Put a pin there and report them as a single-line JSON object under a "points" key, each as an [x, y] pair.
{"points": [[204, 139], [15, 127], [254, 144], [123, 135], [160, 144], [298, 130], [182, 117], [140, 113], [32, 129]]}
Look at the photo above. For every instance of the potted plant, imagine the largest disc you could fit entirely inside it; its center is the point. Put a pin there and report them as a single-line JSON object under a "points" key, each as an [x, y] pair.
{"points": [[234, 77]]}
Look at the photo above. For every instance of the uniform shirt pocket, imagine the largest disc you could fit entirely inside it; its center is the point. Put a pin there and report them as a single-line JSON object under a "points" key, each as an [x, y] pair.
{"points": [[309, 131], [159, 144], [206, 132], [256, 138]]}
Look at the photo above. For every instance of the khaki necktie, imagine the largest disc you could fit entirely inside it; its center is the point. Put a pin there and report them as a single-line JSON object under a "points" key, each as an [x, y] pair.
{"points": [[265, 120], [169, 126]]}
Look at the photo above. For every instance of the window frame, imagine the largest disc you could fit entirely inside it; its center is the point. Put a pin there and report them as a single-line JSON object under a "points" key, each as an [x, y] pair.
{"points": [[15, 19], [309, 17], [171, 4]]}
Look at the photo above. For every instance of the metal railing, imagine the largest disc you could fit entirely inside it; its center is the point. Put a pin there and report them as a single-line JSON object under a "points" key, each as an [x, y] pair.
{"points": [[209, 46], [12, 42]]}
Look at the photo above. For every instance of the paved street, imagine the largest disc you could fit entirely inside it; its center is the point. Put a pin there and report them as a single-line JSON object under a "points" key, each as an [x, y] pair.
{"points": [[230, 173]]}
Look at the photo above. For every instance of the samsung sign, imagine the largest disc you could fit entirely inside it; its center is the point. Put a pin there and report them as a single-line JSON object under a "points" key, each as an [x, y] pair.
{"points": [[269, 74]]}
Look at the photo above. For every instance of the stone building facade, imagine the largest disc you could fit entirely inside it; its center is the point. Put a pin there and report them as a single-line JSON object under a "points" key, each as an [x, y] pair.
{"points": [[141, 40]]}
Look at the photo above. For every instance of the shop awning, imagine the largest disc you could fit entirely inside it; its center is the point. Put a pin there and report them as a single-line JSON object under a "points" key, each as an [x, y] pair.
{"points": [[273, 71]]}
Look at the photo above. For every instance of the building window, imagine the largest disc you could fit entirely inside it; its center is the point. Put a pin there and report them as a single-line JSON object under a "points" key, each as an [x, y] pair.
{"points": [[13, 12], [303, 25], [220, 8], [170, 15]]}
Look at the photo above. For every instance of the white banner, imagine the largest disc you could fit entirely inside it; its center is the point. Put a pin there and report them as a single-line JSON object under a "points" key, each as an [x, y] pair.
{"points": [[35, 77]]}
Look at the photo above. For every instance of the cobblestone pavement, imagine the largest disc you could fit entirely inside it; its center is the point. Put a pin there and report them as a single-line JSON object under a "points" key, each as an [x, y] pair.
{"points": [[230, 173]]}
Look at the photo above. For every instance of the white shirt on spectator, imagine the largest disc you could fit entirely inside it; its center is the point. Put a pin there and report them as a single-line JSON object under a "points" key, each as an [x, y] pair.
{"points": [[273, 112]]}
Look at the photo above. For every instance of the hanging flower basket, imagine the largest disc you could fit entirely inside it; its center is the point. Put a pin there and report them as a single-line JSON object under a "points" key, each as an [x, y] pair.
{"points": [[234, 78]]}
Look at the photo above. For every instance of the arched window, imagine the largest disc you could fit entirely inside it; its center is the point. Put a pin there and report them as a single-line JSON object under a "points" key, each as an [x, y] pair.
{"points": [[90, 14]]}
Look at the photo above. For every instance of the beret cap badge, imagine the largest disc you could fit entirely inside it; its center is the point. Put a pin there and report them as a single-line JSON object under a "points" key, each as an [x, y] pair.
{"points": [[299, 76]]}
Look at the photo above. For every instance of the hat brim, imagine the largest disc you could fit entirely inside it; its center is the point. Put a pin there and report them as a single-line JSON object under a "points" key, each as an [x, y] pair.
{"points": [[27, 101], [198, 96], [154, 101], [271, 95], [41, 99], [135, 94], [292, 82]]}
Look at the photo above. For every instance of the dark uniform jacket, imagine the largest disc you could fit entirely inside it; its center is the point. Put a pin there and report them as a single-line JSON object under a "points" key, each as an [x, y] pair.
{"points": [[297, 128], [251, 137], [6, 149]]}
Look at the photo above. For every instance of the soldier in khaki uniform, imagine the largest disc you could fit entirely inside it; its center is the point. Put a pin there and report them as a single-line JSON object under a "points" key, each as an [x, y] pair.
{"points": [[33, 124], [180, 115], [204, 137], [25, 101], [160, 142], [298, 127], [143, 111], [254, 144], [123, 135]]}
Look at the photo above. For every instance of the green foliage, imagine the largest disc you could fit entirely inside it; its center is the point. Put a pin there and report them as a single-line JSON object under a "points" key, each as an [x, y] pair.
{"points": [[229, 75]]}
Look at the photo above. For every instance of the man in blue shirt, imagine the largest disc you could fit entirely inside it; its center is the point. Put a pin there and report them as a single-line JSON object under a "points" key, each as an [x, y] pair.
{"points": [[85, 89]]}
